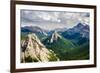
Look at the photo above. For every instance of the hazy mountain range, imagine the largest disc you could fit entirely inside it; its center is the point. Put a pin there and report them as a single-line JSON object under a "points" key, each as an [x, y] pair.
{"points": [[78, 30]]}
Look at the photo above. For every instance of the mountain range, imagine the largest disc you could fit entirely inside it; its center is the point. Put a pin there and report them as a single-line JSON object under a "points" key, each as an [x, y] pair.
{"points": [[80, 28], [34, 29], [66, 44]]}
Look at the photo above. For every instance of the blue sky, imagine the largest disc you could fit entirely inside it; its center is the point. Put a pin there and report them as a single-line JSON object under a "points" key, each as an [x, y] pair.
{"points": [[50, 20]]}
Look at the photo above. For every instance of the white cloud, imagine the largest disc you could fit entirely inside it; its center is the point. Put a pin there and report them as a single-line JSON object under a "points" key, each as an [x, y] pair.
{"points": [[51, 19]]}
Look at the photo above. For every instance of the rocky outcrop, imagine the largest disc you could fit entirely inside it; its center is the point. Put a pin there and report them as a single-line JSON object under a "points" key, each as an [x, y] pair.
{"points": [[55, 36], [32, 50]]}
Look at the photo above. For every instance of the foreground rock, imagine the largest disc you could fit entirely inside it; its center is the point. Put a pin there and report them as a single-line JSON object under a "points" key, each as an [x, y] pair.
{"points": [[32, 50]]}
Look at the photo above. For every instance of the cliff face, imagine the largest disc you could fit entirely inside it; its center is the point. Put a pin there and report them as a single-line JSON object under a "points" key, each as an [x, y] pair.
{"points": [[32, 50], [55, 36]]}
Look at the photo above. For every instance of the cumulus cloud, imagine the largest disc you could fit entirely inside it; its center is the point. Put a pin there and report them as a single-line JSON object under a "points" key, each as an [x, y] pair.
{"points": [[53, 19]]}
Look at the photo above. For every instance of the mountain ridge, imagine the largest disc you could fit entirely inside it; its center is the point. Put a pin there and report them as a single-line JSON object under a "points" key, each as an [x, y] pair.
{"points": [[33, 50]]}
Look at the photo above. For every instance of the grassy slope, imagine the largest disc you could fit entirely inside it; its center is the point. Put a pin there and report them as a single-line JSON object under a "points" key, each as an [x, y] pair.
{"points": [[79, 53], [60, 47], [66, 50]]}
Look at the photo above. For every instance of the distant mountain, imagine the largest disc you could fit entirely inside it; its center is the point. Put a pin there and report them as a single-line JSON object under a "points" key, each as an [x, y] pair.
{"points": [[78, 34], [41, 33], [82, 29], [59, 45], [32, 50], [79, 28], [33, 29]]}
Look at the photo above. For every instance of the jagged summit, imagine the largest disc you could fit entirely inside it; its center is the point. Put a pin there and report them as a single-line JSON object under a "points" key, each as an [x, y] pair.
{"points": [[33, 37], [55, 36], [32, 50]]}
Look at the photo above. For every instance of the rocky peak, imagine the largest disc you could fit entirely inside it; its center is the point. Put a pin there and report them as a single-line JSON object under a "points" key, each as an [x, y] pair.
{"points": [[55, 36], [32, 50]]}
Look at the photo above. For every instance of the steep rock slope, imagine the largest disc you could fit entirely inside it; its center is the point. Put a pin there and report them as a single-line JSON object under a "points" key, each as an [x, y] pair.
{"points": [[32, 50]]}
